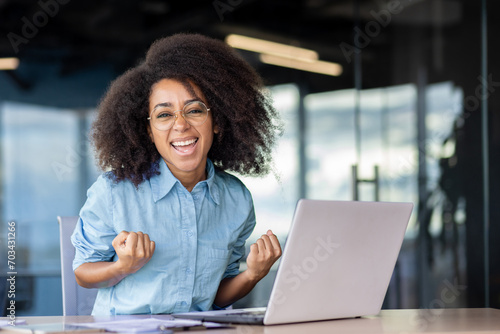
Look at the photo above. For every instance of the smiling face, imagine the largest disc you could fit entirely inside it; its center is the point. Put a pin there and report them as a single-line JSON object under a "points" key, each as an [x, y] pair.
{"points": [[184, 147]]}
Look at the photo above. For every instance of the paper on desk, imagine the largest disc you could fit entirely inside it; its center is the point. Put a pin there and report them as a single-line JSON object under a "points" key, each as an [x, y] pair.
{"points": [[145, 325]]}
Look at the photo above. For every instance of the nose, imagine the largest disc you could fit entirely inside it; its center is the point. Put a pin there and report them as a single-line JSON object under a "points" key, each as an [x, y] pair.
{"points": [[180, 122]]}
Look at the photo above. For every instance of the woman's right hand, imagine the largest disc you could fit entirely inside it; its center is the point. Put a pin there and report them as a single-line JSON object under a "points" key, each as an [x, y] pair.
{"points": [[134, 250]]}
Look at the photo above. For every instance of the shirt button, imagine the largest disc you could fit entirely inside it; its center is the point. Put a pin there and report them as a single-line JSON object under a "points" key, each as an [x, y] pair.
{"points": [[190, 233], [183, 303], [195, 197], [188, 271]]}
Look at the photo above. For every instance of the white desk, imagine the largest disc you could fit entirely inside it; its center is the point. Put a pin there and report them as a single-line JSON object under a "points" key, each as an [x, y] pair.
{"points": [[447, 321]]}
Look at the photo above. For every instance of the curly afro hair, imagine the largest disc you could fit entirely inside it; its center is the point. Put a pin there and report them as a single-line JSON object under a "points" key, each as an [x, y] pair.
{"points": [[241, 109]]}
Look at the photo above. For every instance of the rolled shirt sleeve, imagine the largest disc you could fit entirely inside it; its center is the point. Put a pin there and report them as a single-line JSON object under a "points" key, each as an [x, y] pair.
{"points": [[238, 253], [94, 230]]}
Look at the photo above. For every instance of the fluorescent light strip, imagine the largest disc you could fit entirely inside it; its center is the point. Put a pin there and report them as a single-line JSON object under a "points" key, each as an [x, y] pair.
{"points": [[272, 48], [322, 67], [9, 63]]}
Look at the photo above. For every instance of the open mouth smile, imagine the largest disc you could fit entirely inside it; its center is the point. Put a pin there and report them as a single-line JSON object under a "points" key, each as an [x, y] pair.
{"points": [[184, 146]]}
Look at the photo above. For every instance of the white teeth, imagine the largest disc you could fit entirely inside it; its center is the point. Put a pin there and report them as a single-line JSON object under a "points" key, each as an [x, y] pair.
{"points": [[184, 143]]}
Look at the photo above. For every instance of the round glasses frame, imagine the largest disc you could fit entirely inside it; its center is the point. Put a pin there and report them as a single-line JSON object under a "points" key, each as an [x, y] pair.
{"points": [[166, 123]]}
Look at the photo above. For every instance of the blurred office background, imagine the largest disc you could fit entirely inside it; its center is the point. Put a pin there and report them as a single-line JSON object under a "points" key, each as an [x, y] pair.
{"points": [[408, 111]]}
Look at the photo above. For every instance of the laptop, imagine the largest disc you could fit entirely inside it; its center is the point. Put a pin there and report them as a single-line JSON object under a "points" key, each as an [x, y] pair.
{"points": [[337, 263]]}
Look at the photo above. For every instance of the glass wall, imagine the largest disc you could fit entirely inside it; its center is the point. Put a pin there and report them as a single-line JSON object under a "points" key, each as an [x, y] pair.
{"points": [[275, 195], [410, 126], [45, 173]]}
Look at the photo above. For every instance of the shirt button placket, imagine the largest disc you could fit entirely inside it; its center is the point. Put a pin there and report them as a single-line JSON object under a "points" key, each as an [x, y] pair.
{"points": [[192, 247]]}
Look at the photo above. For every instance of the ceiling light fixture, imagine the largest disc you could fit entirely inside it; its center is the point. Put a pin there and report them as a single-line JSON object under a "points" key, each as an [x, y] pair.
{"points": [[318, 66], [271, 48], [9, 63]]}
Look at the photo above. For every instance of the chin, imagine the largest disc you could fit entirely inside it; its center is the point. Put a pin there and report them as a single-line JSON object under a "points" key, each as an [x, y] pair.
{"points": [[184, 166]]}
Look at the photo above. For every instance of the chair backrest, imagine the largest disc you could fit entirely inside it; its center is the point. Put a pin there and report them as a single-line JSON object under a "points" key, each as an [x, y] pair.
{"points": [[76, 299]]}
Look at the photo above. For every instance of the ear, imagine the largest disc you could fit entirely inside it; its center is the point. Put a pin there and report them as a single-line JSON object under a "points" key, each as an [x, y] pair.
{"points": [[216, 129]]}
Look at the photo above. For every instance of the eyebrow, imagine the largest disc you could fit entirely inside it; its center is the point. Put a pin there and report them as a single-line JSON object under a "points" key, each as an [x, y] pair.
{"points": [[170, 105]]}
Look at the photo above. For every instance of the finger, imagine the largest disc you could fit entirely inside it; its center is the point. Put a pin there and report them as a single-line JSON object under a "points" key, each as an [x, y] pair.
{"points": [[275, 243], [262, 246], [119, 240], [146, 245], [132, 240], [140, 245], [267, 243], [254, 248], [152, 247]]}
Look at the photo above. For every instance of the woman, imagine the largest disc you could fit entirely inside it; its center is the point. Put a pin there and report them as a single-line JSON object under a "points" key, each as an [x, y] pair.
{"points": [[164, 229]]}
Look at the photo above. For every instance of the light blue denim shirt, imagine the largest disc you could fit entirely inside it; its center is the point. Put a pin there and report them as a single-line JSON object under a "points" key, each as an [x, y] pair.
{"points": [[200, 238]]}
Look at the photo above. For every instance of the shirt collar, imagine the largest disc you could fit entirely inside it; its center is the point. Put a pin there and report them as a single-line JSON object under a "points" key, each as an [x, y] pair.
{"points": [[213, 189], [162, 184]]}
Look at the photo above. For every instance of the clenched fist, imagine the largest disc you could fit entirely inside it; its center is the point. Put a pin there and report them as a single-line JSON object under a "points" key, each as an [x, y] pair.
{"points": [[134, 250], [263, 253]]}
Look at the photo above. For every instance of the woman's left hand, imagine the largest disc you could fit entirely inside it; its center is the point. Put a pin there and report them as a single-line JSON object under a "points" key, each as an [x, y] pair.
{"points": [[263, 253]]}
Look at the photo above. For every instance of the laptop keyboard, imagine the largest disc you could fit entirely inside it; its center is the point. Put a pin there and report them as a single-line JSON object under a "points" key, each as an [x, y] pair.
{"points": [[249, 314]]}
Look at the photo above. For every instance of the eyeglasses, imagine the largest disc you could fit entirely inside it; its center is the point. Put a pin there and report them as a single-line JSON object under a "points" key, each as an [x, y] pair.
{"points": [[163, 118]]}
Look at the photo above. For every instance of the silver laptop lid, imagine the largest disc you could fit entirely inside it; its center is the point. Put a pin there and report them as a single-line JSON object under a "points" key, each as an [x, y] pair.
{"points": [[338, 260]]}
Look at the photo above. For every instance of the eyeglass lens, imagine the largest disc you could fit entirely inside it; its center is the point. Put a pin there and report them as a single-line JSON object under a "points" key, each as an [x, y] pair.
{"points": [[195, 113]]}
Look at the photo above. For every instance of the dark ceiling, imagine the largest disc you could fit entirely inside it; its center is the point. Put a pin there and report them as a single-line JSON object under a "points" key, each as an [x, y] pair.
{"points": [[82, 33]]}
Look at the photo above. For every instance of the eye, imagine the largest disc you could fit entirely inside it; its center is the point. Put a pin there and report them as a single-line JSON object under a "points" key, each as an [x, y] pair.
{"points": [[164, 115], [194, 111]]}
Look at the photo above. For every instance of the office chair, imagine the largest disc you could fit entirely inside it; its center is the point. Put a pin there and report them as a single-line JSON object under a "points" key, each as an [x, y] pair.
{"points": [[76, 300]]}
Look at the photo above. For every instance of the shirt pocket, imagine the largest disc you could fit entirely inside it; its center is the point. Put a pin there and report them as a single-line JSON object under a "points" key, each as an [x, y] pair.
{"points": [[217, 253]]}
